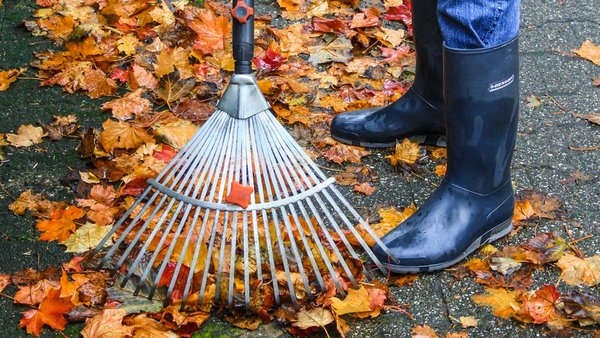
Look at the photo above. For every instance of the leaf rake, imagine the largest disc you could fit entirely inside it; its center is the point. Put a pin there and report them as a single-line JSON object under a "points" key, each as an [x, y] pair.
{"points": [[295, 236]]}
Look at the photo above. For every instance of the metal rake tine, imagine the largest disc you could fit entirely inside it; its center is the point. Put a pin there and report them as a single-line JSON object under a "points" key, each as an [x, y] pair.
{"points": [[246, 178], [267, 177], [278, 182], [259, 173], [291, 183], [289, 156], [253, 168]]}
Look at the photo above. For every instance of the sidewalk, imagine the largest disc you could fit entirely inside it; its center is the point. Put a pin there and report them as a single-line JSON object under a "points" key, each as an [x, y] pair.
{"points": [[543, 162]]}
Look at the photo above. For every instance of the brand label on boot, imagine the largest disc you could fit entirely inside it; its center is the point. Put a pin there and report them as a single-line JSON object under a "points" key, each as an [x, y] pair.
{"points": [[499, 85]]}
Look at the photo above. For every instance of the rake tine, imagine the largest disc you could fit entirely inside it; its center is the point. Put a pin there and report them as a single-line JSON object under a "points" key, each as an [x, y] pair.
{"points": [[291, 184], [246, 177], [260, 171]]}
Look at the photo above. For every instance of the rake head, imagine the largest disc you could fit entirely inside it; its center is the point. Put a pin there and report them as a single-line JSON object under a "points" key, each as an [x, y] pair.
{"points": [[295, 238]]}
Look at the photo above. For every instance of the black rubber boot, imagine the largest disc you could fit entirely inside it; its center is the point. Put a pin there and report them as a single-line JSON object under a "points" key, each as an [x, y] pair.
{"points": [[418, 113], [474, 203]]}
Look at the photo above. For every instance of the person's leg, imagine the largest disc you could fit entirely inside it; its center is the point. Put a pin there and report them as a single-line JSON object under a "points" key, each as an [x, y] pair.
{"points": [[417, 114], [474, 203]]}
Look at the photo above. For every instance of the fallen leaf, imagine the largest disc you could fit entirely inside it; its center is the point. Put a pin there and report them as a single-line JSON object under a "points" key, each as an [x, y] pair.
{"points": [[269, 62], [148, 327], [27, 135], [402, 13], [337, 50], [107, 323], [5, 280], [584, 307], [423, 331], [406, 152], [86, 238], [170, 59], [533, 101], [397, 55], [141, 77], [541, 305], [357, 300], [9, 76], [406, 280], [38, 205], [129, 105], [177, 133], [340, 153], [368, 18], [577, 271], [502, 302], [239, 194], [468, 321], [365, 188], [60, 225], [589, 51], [591, 118], [391, 218], [317, 317], [212, 32], [50, 312], [122, 135], [440, 170]]}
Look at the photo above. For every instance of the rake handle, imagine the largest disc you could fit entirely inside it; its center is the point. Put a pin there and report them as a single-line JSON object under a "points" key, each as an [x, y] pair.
{"points": [[242, 13]]}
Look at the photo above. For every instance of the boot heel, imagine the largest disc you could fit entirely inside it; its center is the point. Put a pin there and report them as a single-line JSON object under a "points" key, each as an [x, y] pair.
{"points": [[501, 230], [430, 140]]}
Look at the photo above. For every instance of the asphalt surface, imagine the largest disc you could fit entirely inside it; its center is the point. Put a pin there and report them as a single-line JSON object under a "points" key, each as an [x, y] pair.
{"points": [[543, 159]]}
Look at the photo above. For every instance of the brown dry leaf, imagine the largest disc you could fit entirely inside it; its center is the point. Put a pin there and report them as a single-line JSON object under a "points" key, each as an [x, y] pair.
{"points": [[36, 203], [577, 271], [591, 118], [341, 153], [172, 90], [468, 321], [356, 301], [148, 327], [532, 204], [86, 238], [122, 135], [502, 301], [106, 324], [317, 317], [423, 331], [177, 133], [32, 295], [406, 152], [365, 188], [27, 135], [212, 32], [523, 211], [9, 76], [97, 84], [589, 51], [129, 105], [5, 280]]}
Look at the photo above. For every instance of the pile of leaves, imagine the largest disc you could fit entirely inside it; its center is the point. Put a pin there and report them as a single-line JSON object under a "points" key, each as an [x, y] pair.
{"points": [[160, 66]]}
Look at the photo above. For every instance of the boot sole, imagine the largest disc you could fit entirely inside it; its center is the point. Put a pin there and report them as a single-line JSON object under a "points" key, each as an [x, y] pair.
{"points": [[495, 233], [428, 140]]}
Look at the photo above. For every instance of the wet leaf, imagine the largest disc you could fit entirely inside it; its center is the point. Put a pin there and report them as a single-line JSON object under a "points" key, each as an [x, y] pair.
{"points": [[468, 321], [27, 135], [212, 32], [365, 188], [60, 225], [177, 133], [578, 271], [85, 238], [406, 152], [132, 104], [541, 305], [390, 218], [423, 331], [591, 118], [122, 135], [35, 294], [37, 204], [337, 50], [356, 301], [502, 302], [5, 280], [107, 323], [9, 76], [341, 153], [50, 312]]}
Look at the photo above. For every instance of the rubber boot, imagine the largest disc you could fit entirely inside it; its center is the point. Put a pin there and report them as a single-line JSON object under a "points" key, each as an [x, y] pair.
{"points": [[474, 203], [418, 113]]}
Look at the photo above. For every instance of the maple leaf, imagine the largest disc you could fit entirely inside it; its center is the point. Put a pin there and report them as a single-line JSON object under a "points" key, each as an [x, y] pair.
{"points": [[68, 289], [98, 84], [407, 152], [405, 280], [32, 295], [365, 188], [390, 37], [394, 55], [541, 305], [86, 238], [581, 306], [337, 50], [578, 271], [340, 153], [148, 327], [531, 204], [317, 317], [131, 104], [5, 280], [61, 225], [368, 18], [170, 59], [589, 51], [440, 170], [194, 111], [9, 76], [212, 32], [290, 5], [177, 133], [502, 301], [36, 203], [269, 62], [544, 248], [239, 194], [50, 312], [356, 301], [100, 202], [329, 25], [401, 13], [172, 90], [292, 40], [141, 77], [122, 135], [390, 218], [423, 331], [73, 264], [107, 323], [128, 44], [27, 135]]}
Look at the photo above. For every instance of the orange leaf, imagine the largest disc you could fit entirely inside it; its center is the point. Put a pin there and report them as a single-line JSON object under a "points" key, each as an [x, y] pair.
{"points": [[589, 51], [540, 306], [127, 106], [365, 188], [141, 77], [239, 194], [9, 76], [50, 312], [122, 135], [4, 281], [423, 331], [340, 153], [60, 225], [107, 323], [32, 295], [212, 32], [407, 152]]}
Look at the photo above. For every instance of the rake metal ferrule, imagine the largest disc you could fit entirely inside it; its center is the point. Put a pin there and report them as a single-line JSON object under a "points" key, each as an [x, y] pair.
{"points": [[242, 98], [253, 207]]}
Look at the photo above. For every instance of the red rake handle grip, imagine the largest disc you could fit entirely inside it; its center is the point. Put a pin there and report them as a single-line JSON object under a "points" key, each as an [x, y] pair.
{"points": [[243, 35]]}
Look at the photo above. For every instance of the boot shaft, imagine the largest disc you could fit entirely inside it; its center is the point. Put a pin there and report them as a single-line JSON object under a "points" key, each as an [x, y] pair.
{"points": [[481, 91]]}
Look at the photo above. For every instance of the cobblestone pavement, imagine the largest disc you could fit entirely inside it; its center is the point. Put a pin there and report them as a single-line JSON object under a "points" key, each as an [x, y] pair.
{"points": [[543, 159]]}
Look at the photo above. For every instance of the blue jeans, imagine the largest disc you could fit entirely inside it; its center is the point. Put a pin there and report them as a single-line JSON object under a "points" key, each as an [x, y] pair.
{"points": [[469, 24]]}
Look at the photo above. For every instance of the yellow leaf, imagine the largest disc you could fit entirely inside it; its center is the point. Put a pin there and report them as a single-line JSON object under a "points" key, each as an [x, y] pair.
{"points": [[86, 237], [176, 134], [390, 37], [169, 59], [391, 218], [107, 323], [589, 51], [502, 301], [468, 321], [355, 301], [577, 271], [407, 152], [26, 136], [317, 317], [127, 44], [9, 76], [122, 135]]}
